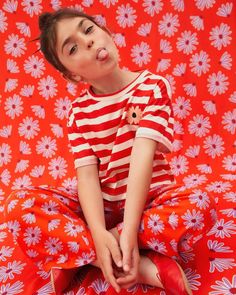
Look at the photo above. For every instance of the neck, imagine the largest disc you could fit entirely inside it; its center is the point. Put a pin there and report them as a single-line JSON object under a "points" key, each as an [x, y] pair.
{"points": [[113, 82]]}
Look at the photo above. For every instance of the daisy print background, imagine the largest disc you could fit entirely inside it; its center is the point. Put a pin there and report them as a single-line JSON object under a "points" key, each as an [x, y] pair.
{"points": [[191, 43]]}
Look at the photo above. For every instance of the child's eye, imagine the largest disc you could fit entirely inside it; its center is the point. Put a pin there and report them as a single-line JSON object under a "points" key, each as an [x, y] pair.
{"points": [[72, 50], [89, 29]]}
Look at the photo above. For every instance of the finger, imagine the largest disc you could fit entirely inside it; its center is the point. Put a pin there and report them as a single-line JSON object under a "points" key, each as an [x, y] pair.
{"points": [[109, 273], [128, 279], [116, 254], [127, 259]]}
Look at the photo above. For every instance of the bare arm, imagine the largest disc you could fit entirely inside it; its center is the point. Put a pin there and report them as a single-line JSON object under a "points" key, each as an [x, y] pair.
{"points": [[140, 174], [90, 197]]}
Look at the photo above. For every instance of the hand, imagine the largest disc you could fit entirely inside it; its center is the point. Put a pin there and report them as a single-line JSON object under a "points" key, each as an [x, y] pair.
{"points": [[131, 258], [107, 250]]}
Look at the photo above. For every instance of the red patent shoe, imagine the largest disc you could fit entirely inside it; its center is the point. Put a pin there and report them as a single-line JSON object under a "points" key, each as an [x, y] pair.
{"points": [[170, 274], [61, 279]]}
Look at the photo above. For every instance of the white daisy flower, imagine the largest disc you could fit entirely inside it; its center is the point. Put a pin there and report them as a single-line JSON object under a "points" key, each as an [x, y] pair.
{"points": [[12, 66], [218, 186], [11, 85], [57, 167], [203, 4], [229, 162], [194, 180], [220, 36], [218, 247], [165, 46], [46, 146], [71, 88], [101, 20], [152, 7], [53, 245], [204, 168], [6, 131], [193, 219], [24, 148], [37, 171], [34, 66], [108, 3], [197, 22], [213, 146], [190, 89], [72, 229], [178, 4], [5, 253], [179, 69], [5, 154], [21, 165], [224, 286], [225, 9], [199, 126], [39, 111], [32, 253], [168, 25], [8, 272], [126, 16], [62, 107], [157, 246], [141, 53], [3, 22], [32, 7], [200, 63], [50, 208], [209, 106], [85, 258], [181, 107], [231, 212], [14, 45], [32, 235], [223, 229], [173, 220], [230, 197], [178, 128], [10, 6], [29, 128], [21, 182], [155, 223], [29, 203], [73, 246], [187, 42], [100, 286], [179, 165], [57, 130], [229, 121], [24, 28], [226, 61], [199, 198], [193, 151], [53, 224], [233, 97], [56, 4], [145, 29], [27, 90], [87, 3], [29, 218], [177, 145], [5, 176], [119, 39], [47, 87], [12, 204]]}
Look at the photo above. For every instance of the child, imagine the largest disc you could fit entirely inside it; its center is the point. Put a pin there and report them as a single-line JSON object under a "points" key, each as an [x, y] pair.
{"points": [[137, 219]]}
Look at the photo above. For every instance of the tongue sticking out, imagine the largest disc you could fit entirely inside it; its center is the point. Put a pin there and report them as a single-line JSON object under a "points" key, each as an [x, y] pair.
{"points": [[102, 54]]}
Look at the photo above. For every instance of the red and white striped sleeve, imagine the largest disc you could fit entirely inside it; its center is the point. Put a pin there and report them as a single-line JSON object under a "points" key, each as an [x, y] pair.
{"points": [[157, 118], [82, 151]]}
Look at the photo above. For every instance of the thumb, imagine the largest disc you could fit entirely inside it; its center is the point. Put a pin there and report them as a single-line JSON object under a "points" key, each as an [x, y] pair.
{"points": [[126, 259]]}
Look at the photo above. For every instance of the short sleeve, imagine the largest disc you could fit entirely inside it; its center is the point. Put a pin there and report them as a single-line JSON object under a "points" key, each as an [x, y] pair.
{"points": [[82, 151], [157, 118]]}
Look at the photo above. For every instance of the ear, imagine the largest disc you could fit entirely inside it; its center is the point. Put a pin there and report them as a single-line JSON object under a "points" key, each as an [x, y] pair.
{"points": [[72, 78]]}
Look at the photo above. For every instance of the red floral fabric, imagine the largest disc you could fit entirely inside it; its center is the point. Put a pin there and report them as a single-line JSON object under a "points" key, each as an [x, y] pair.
{"points": [[191, 43]]}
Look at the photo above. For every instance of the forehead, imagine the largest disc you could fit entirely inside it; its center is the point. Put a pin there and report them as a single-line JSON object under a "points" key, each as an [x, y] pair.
{"points": [[66, 26]]}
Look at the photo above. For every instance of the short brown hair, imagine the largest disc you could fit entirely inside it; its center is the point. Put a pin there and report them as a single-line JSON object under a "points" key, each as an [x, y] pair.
{"points": [[47, 25]]}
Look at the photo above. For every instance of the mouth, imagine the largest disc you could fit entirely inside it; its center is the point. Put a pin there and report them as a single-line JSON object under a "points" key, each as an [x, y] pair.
{"points": [[102, 54]]}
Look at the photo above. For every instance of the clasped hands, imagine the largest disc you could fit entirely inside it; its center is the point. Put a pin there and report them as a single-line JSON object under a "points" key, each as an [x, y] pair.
{"points": [[118, 260]]}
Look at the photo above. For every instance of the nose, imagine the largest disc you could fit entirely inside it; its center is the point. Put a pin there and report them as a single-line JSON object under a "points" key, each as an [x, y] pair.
{"points": [[90, 44]]}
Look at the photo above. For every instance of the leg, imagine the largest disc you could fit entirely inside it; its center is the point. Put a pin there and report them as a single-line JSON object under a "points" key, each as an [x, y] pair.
{"points": [[50, 229]]}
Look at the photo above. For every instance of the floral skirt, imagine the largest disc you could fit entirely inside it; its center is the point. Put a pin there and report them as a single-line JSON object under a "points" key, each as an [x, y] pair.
{"points": [[50, 227]]}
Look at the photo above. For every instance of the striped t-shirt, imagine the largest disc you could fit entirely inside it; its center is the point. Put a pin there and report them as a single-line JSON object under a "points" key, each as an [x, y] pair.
{"points": [[102, 129]]}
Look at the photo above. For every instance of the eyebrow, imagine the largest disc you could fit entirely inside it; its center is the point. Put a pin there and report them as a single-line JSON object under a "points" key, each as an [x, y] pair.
{"points": [[67, 40]]}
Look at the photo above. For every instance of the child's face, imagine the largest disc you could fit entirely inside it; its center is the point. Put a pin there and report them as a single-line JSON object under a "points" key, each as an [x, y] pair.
{"points": [[85, 49]]}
